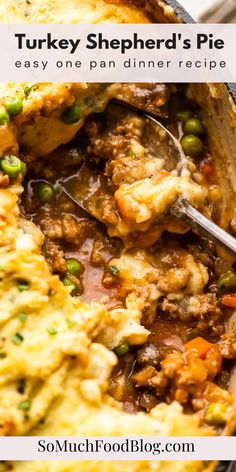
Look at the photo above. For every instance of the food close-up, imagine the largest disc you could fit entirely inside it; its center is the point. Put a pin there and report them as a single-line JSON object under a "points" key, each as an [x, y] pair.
{"points": [[116, 315]]}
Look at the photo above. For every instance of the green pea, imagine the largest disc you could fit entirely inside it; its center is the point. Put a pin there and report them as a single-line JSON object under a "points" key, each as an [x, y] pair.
{"points": [[194, 126], [17, 339], [23, 286], [14, 105], [71, 115], [192, 145], [73, 266], [45, 192], [11, 165], [122, 349], [184, 115], [68, 282], [215, 414], [227, 280], [4, 116]]}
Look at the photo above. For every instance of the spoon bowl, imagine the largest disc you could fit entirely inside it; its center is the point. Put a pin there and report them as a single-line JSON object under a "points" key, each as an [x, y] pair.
{"points": [[90, 190]]}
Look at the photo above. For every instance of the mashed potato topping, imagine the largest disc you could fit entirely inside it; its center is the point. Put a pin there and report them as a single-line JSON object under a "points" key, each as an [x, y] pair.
{"points": [[55, 356], [40, 129], [70, 11]]}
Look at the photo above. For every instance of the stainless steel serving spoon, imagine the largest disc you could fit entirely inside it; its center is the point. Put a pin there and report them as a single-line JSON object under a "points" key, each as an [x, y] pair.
{"points": [[85, 188]]}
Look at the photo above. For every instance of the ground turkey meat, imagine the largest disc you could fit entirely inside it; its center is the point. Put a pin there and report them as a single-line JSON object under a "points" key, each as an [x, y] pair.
{"points": [[67, 228], [54, 256], [228, 345], [174, 280], [152, 354], [203, 308], [130, 169], [116, 139]]}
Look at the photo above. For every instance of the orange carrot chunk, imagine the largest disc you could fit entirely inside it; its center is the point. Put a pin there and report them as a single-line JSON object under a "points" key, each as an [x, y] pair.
{"points": [[206, 168], [229, 300], [200, 344]]}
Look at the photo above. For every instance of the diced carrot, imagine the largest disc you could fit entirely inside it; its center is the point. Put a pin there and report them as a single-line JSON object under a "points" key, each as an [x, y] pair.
{"points": [[200, 344], [229, 300], [206, 168]]}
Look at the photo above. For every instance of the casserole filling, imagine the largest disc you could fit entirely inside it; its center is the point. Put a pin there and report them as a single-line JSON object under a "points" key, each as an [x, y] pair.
{"points": [[117, 327], [140, 258], [112, 319]]}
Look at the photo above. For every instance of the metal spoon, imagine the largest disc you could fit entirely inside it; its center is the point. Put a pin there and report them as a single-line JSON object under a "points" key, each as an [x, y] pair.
{"points": [[89, 189]]}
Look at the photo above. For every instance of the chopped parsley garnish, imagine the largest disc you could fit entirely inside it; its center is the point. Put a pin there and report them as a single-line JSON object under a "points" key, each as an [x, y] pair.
{"points": [[22, 317], [17, 339], [28, 90], [114, 270], [25, 405], [22, 286], [70, 323], [21, 386], [52, 331], [42, 421]]}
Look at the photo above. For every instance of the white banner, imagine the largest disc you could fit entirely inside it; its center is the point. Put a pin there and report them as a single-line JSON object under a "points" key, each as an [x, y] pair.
{"points": [[118, 53], [117, 448]]}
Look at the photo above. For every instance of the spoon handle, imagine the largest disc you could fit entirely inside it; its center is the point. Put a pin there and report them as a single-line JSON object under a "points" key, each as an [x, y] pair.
{"points": [[182, 209]]}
